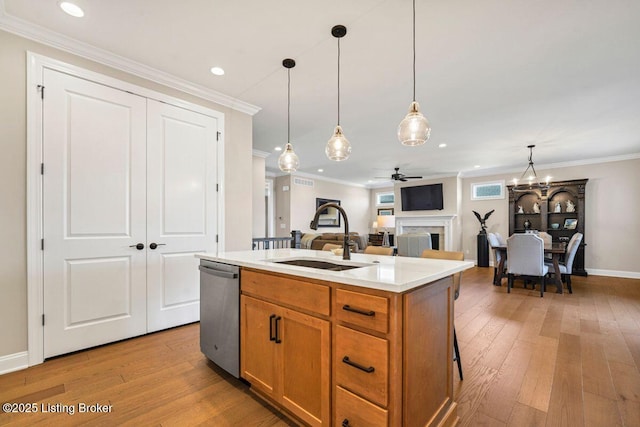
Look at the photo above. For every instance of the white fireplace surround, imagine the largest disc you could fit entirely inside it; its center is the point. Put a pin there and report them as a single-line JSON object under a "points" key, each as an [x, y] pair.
{"points": [[412, 224]]}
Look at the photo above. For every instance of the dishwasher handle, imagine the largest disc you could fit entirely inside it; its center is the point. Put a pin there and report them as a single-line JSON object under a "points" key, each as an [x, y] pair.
{"points": [[219, 273]]}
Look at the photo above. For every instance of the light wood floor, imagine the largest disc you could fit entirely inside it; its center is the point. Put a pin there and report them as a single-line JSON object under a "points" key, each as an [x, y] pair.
{"points": [[570, 360]]}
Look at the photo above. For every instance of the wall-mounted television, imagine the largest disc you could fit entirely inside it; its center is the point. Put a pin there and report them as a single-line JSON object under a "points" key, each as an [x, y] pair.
{"points": [[422, 197]]}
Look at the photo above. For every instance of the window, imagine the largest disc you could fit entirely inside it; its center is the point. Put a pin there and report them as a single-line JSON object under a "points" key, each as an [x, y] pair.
{"points": [[487, 190], [385, 198]]}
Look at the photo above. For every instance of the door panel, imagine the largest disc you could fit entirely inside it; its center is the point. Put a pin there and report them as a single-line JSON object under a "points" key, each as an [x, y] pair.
{"points": [[182, 206], [94, 152], [102, 279], [178, 268]]}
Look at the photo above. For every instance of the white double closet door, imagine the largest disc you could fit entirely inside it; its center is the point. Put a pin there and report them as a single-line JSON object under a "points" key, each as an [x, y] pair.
{"points": [[128, 197]]}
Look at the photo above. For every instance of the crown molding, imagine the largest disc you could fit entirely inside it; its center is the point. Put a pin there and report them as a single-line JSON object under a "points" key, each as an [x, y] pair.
{"points": [[260, 153], [50, 38], [584, 162]]}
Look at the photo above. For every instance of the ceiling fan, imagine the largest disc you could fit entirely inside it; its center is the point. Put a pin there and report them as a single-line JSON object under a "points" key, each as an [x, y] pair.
{"points": [[401, 177]]}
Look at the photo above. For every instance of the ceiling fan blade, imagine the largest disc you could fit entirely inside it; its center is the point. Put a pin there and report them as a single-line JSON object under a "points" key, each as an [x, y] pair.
{"points": [[413, 177], [403, 179]]}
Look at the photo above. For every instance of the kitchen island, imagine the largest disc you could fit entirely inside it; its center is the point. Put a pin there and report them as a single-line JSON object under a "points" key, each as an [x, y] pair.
{"points": [[362, 342]]}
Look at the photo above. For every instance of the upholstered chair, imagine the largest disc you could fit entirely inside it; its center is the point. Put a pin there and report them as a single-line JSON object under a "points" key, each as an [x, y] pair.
{"points": [[378, 250], [457, 277], [525, 253], [567, 266], [330, 247]]}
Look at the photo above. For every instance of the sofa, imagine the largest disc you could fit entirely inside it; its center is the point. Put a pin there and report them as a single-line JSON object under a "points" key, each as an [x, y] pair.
{"points": [[317, 241]]}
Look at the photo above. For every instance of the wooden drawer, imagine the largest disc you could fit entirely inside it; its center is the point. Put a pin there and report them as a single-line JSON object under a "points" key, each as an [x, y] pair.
{"points": [[285, 290], [365, 371], [354, 411], [364, 310]]}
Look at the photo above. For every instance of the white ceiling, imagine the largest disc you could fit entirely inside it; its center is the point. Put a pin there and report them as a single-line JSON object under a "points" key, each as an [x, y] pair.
{"points": [[493, 76]]}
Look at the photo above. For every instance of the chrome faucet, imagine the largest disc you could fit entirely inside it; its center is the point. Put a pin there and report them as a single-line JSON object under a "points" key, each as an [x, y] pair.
{"points": [[346, 242]]}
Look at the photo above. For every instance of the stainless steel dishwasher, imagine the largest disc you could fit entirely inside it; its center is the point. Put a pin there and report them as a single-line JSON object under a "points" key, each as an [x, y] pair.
{"points": [[220, 314]]}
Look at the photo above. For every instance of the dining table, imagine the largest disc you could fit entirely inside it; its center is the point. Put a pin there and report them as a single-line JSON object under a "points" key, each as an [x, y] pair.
{"points": [[556, 249]]}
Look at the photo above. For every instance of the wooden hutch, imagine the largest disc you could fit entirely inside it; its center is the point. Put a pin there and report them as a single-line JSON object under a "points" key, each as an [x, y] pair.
{"points": [[553, 216]]}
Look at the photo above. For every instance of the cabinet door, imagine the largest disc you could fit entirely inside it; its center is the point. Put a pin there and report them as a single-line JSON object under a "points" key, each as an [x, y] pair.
{"points": [[305, 348], [259, 364]]}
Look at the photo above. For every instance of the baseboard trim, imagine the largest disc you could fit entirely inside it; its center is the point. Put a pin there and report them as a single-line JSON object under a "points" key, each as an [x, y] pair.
{"points": [[14, 362], [614, 273]]}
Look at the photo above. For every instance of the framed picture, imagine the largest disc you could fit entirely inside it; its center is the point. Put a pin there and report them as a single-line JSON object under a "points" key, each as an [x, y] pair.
{"points": [[570, 223], [329, 217], [487, 190], [385, 211]]}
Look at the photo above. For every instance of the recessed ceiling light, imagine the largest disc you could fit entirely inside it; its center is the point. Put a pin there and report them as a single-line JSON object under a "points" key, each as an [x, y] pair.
{"points": [[217, 71], [442, 145], [278, 148], [71, 9], [476, 166], [320, 170]]}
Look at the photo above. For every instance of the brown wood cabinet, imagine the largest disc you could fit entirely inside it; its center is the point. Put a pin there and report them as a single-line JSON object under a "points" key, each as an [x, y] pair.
{"points": [[552, 204], [285, 353], [375, 358]]}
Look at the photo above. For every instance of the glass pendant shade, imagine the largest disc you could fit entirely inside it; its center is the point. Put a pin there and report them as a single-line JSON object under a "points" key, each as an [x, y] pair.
{"points": [[414, 129], [338, 147], [288, 160]]}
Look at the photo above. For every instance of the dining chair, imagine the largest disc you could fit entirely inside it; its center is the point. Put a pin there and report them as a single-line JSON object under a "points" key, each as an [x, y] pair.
{"points": [[525, 255], [378, 250], [330, 247], [567, 266], [502, 240], [497, 256], [457, 277]]}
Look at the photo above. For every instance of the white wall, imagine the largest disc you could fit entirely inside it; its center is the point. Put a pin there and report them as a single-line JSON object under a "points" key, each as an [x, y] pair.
{"points": [[295, 208], [612, 201], [258, 197]]}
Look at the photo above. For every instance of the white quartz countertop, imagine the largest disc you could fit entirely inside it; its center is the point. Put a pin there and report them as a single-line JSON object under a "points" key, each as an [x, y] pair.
{"points": [[388, 273]]}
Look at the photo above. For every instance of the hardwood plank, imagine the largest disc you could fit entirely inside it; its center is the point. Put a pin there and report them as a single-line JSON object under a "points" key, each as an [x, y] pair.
{"points": [[501, 398], [600, 411], [523, 416], [566, 404], [538, 378]]}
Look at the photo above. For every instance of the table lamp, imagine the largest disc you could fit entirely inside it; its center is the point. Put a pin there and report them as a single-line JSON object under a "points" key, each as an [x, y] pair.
{"points": [[386, 221]]}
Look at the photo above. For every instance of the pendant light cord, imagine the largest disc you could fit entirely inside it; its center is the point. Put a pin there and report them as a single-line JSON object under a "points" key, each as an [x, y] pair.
{"points": [[338, 82], [414, 50], [288, 105]]}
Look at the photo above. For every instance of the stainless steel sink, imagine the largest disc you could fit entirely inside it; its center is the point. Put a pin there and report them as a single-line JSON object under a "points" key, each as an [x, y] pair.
{"points": [[323, 265]]}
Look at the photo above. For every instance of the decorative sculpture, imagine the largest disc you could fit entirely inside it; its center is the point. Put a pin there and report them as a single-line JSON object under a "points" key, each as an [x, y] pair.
{"points": [[520, 210], [483, 220], [570, 206], [536, 208], [558, 208]]}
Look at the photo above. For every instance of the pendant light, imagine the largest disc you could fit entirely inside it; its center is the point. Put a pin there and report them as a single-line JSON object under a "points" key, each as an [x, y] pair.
{"points": [[533, 183], [338, 147], [414, 129], [288, 160]]}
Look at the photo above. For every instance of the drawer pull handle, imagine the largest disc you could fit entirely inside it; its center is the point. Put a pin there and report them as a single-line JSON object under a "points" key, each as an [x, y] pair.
{"points": [[355, 310], [278, 340], [271, 336], [345, 423], [368, 370]]}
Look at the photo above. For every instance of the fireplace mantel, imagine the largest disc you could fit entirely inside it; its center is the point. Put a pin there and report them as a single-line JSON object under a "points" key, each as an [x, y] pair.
{"points": [[444, 221]]}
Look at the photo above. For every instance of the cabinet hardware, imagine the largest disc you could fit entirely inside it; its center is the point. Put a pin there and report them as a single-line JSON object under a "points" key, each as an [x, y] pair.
{"points": [[368, 370], [271, 336], [139, 246], [278, 340], [155, 245], [345, 423], [355, 310]]}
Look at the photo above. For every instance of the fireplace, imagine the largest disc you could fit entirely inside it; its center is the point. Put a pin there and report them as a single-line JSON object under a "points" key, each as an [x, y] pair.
{"points": [[439, 226]]}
